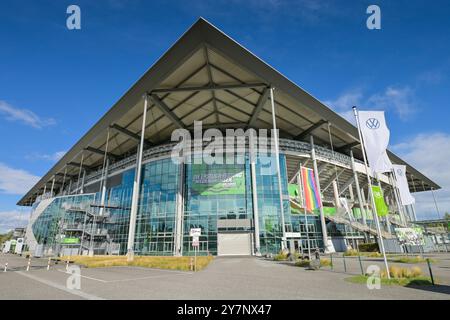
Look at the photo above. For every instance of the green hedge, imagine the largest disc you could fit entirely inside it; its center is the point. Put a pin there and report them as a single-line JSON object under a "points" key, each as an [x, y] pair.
{"points": [[369, 247]]}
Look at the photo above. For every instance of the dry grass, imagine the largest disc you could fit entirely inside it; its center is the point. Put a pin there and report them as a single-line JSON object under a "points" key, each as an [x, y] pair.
{"points": [[407, 259], [402, 273], [354, 252], [325, 262], [160, 262]]}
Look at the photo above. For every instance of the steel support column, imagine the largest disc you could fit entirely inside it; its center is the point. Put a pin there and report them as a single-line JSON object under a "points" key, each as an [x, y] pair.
{"points": [[322, 216], [358, 190], [257, 249], [136, 187], [277, 162], [178, 241]]}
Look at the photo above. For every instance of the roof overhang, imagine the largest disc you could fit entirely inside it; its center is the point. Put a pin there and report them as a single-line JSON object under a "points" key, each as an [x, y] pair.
{"points": [[207, 76]]}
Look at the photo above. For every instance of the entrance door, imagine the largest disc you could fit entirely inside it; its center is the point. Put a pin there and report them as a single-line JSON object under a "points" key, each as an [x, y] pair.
{"points": [[234, 244]]}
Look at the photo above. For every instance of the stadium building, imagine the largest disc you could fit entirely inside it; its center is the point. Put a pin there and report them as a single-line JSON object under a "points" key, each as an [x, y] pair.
{"points": [[118, 189]]}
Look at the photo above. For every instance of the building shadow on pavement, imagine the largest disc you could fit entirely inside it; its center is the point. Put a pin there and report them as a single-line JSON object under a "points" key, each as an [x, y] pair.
{"points": [[436, 288]]}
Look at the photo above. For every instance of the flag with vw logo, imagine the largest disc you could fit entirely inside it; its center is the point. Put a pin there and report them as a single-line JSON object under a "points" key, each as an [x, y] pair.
{"points": [[402, 184], [376, 139]]}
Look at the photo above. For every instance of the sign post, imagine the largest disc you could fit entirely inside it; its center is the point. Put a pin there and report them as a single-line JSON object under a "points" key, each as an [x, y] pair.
{"points": [[195, 233]]}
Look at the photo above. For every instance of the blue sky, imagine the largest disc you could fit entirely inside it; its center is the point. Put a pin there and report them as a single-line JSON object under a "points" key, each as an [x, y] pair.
{"points": [[56, 83]]}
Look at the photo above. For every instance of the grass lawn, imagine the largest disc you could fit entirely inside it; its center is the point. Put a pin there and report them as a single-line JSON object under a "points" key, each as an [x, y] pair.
{"points": [[160, 262], [393, 281]]}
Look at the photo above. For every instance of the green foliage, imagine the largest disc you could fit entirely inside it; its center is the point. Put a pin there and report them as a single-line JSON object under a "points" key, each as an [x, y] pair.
{"points": [[369, 247], [5, 237]]}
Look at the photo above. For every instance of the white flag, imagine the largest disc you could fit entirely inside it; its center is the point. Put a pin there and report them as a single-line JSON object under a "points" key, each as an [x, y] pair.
{"points": [[376, 139], [402, 184]]}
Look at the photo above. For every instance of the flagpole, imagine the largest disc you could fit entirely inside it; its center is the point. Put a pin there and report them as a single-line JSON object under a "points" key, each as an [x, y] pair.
{"points": [[377, 222]]}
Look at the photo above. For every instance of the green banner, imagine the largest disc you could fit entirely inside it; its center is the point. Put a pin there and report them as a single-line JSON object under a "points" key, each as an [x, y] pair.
{"points": [[70, 241], [211, 180], [380, 205], [293, 190]]}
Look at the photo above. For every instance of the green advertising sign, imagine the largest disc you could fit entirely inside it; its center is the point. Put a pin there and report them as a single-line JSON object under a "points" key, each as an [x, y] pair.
{"points": [[228, 179], [380, 205], [70, 241]]}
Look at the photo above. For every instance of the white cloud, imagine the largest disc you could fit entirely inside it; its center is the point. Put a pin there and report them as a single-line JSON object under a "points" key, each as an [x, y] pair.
{"points": [[429, 153], [13, 219], [15, 181], [25, 116], [400, 100], [48, 157]]}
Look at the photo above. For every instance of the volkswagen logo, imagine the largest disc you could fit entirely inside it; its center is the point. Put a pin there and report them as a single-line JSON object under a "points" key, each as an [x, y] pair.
{"points": [[400, 172], [372, 123]]}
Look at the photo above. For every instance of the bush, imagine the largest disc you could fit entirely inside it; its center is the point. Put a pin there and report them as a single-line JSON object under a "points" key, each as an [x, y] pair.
{"points": [[325, 262], [369, 247], [281, 256], [302, 263]]}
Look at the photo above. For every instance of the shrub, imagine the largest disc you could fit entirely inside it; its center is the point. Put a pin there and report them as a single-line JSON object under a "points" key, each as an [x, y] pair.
{"points": [[281, 256], [325, 262], [302, 263], [369, 247]]}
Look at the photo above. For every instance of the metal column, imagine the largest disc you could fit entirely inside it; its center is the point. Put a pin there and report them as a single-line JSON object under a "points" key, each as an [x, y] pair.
{"points": [[254, 193], [53, 185], [277, 161], [396, 197], [316, 176], [178, 247], [103, 191], [136, 187], [358, 190]]}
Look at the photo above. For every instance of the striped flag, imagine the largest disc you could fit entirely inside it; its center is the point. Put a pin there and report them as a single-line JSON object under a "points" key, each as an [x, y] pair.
{"points": [[310, 190]]}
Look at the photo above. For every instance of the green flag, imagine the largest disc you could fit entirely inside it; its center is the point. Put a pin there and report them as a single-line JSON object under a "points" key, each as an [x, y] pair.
{"points": [[382, 209]]}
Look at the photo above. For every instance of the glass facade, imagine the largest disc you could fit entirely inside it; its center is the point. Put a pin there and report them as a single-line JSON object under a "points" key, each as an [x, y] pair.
{"points": [[62, 219], [155, 222], [216, 198], [218, 192]]}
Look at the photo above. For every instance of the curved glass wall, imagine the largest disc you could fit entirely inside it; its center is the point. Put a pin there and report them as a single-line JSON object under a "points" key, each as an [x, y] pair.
{"points": [[217, 198], [61, 220]]}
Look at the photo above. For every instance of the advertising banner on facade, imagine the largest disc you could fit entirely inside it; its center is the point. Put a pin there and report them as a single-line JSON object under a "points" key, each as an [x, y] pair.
{"points": [[410, 236], [229, 179], [70, 240]]}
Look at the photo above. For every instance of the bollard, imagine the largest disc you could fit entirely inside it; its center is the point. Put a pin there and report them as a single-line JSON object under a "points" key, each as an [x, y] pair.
{"points": [[6, 266], [28, 264], [191, 264], [345, 264], [48, 264], [67, 265], [331, 261], [360, 264], [431, 273]]}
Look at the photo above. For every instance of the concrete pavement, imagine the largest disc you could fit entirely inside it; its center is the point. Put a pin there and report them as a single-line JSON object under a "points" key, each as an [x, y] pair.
{"points": [[224, 278]]}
